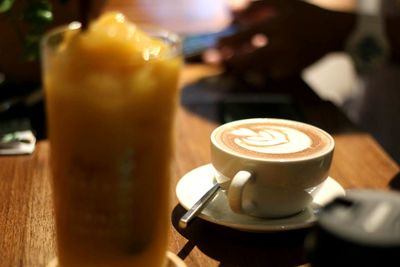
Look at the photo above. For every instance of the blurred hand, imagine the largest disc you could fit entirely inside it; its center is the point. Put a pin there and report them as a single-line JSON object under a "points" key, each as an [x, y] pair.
{"points": [[282, 37]]}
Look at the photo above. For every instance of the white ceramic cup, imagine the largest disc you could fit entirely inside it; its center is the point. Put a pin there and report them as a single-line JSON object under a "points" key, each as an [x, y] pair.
{"points": [[270, 167]]}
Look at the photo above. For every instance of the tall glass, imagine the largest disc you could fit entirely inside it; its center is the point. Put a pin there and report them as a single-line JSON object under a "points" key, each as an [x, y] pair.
{"points": [[110, 128]]}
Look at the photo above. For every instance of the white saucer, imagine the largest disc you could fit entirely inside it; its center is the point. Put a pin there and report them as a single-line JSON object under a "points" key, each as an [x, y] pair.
{"points": [[195, 183], [173, 261]]}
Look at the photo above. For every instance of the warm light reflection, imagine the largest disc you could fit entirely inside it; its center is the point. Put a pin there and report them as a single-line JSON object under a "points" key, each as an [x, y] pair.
{"points": [[212, 56], [120, 18], [259, 40], [237, 5]]}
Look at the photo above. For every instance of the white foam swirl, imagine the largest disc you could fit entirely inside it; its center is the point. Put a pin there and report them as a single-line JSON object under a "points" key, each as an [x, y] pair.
{"points": [[272, 139]]}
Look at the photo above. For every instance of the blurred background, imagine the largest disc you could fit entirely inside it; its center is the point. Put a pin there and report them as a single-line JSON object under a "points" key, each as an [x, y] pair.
{"points": [[332, 77]]}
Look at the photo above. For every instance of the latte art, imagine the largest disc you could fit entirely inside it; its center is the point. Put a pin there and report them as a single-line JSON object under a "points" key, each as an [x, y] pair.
{"points": [[270, 139]]}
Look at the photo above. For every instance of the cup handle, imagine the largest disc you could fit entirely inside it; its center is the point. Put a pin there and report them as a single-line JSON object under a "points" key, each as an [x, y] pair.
{"points": [[235, 191]]}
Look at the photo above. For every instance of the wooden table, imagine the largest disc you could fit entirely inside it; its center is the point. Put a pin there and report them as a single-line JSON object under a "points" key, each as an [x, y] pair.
{"points": [[27, 236]]}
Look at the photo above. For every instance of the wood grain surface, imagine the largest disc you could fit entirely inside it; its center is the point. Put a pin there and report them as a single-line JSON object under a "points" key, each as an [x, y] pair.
{"points": [[27, 237]]}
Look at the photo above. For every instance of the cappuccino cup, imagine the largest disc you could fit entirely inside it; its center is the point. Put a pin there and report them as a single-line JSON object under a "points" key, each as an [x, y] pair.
{"points": [[270, 167]]}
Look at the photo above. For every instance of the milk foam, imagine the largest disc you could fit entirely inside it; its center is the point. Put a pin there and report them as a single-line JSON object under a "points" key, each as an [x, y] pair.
{"points": [[271, 139]]}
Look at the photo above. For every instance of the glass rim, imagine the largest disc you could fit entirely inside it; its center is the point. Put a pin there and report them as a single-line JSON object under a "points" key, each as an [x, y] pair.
{"points": [[173, 40]]}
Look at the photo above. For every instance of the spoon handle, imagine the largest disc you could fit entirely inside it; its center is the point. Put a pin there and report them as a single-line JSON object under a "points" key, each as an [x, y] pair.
{"points": [[198, 206]]}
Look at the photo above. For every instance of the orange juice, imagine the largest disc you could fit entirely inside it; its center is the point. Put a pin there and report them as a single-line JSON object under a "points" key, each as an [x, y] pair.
{"points": [[111, 95]]}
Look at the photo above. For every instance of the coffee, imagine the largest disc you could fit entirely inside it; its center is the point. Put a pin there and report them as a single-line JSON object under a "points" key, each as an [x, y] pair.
{"points": [[273, 139], [270, 167]]}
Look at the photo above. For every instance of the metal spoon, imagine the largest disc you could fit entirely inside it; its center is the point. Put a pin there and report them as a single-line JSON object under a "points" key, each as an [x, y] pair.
{"points": [[198, 206]]}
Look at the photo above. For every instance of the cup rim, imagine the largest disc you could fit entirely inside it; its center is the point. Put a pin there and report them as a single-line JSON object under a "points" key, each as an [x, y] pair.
{"points": [[326, 152]]}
